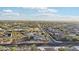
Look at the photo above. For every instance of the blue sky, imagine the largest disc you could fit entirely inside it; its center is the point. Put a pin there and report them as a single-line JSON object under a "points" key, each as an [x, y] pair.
{"points": [[39, 13]]}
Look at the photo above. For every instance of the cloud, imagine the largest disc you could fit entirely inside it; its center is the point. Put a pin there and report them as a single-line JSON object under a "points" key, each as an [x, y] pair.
{"points": [[42, 12], [45, 9], [39, 13], [51, 14], [53, 10], [8, 12]]}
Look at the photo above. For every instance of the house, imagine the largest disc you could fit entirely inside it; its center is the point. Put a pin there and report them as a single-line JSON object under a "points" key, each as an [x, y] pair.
{"points": [[7, 34]]}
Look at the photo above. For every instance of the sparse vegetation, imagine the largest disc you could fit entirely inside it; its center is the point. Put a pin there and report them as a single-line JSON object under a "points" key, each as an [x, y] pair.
{"points": [[19, 32]]}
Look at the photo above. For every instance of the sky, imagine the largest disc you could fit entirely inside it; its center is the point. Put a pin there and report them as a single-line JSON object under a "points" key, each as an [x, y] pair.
{"points": [[40, 13]]}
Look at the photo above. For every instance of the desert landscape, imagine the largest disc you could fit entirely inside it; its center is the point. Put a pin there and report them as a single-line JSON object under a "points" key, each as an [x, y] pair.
{"points": [[39, 36]]}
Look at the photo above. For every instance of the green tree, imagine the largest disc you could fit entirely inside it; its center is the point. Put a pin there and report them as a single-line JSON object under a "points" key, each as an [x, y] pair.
{"points": [[13, 48], [61, 49], [33, 47]]}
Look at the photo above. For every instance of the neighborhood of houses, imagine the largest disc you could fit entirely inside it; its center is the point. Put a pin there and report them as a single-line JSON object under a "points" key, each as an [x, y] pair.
{"points": [[39, 36]]}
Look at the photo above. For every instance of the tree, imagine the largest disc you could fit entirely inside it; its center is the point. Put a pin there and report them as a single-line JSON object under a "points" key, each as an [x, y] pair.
{"points": [[13, 48], [61, 49], [1, 48], [74, 39], [33, 47]]}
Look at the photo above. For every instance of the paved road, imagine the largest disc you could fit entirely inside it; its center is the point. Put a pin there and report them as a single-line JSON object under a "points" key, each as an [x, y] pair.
{"points": [[52, 42], [59, 43]]}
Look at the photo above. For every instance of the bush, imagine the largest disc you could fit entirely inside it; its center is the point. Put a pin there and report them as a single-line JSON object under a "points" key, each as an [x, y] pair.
{"points": [[13, 48], [33, 47], [61, 49], [74, 39], [1, 48]]}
